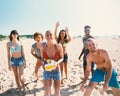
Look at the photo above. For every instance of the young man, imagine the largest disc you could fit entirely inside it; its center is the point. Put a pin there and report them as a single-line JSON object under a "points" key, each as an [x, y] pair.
{"points": [[104, 71], [85, 51]]}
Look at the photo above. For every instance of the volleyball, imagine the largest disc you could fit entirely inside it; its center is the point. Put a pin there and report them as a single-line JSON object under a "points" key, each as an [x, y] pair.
{"points": [[49, 64]]}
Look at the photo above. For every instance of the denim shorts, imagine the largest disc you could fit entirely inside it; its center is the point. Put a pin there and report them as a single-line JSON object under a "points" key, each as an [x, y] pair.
{"points": [[17, 61], [99, 76], [55, 75], [65, 58]]}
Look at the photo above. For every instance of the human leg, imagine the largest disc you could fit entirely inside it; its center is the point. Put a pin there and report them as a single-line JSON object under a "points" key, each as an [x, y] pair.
{"points": [[65, 65], [66, 70], [38, 65], [114, 84], [14, 64], [47, 82], [90, 88], [97, 77], [57, 82], [61, 69], [15, 71], [47, 87], [116, 91], [57, 87], [21, 76], [84, 66]]}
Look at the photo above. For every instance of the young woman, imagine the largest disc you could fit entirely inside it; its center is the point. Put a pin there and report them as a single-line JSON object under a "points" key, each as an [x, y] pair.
{"points": [[53, 52], [63, 39], [16, 59], [36, 51]]}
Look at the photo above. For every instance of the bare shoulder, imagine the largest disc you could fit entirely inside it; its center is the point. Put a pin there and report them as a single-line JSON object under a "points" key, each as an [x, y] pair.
{"points": [[102, 51], [8, 44], [20, 42]]}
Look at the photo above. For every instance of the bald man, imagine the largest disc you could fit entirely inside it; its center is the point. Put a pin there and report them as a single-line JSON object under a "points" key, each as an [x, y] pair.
{"points": [[104, 71]]}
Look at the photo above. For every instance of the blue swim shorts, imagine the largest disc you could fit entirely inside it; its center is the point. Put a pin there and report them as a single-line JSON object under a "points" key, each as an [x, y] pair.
{"points": [[65, 58], [17, 61], [99, 76], [55, 75]]}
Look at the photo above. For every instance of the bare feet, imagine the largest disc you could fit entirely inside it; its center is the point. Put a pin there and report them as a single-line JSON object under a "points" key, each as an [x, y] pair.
{"points": [[61, 81], [18, 88]]}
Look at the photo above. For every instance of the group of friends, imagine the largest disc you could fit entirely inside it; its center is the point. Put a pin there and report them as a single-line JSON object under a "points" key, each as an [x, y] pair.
{"points": [[57, 52]]}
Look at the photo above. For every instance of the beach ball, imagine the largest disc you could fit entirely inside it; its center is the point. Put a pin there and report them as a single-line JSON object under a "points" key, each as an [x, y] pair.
{"points": [[49, 64]]}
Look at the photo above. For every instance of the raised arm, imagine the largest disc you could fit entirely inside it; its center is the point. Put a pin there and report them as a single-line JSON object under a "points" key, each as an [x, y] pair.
{"points": [[68, 35], [55, 33]]}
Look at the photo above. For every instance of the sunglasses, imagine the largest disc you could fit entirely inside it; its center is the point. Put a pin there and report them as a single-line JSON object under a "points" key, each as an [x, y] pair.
{"points": [[48, 35], [86, 30], [15, 33]]}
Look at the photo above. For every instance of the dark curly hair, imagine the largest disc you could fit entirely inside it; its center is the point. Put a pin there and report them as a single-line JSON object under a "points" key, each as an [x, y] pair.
{"points": [[37, 34]]}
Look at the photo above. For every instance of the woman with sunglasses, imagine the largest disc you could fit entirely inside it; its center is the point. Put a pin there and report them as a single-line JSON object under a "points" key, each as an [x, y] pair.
{"points": [[16, 59], [54, 52]]}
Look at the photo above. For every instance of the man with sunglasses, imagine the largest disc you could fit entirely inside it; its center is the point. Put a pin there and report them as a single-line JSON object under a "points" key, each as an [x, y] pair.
{"points": [[85, 51]]}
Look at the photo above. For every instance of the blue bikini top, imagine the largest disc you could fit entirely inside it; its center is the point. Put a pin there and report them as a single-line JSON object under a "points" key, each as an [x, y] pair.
{"points": [[13, 49]]}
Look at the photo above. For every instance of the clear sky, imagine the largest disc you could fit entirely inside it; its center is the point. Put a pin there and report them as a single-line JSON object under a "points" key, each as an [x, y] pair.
{"points": [[29, 16]]}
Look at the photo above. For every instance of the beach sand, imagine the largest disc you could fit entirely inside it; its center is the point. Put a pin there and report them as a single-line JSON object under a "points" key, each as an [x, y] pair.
{"points": [[75, 69]]}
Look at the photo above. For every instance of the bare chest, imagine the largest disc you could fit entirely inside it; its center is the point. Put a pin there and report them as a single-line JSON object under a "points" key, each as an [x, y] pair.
{"points": [[98, 60], [50, 52]]}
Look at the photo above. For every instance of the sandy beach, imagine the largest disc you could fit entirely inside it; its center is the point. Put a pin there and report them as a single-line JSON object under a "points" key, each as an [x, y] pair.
{"points": [[75, 69]]}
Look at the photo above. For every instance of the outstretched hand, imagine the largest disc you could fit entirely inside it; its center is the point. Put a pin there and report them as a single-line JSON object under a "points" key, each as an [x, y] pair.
{"points": [[57, 24], [105, 87], [55, 65], [82, 86], [66, 29]]}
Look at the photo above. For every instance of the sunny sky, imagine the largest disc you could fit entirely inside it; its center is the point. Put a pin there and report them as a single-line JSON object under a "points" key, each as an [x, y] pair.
{"points": [[29, 16]]}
